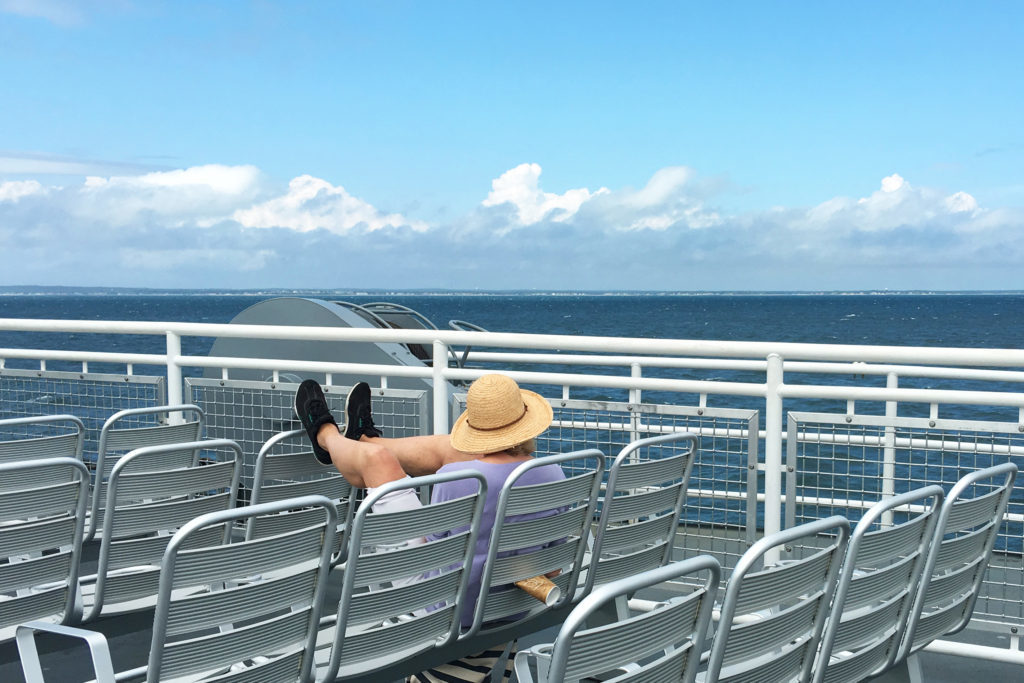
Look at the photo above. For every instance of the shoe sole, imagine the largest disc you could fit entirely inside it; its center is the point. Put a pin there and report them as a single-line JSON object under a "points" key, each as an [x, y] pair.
{"points": [[349, 421], [319, 452]]}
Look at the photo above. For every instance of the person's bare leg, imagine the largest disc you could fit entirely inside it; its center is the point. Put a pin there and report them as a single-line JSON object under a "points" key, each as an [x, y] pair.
{"points": [[364, 465], [419, 455]]}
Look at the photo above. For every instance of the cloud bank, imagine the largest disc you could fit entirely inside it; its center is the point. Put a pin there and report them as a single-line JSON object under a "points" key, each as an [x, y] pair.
{"points": [[232, 226]]}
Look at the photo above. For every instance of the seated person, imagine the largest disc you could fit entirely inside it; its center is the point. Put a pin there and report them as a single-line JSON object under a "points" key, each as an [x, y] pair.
{"points": [[496, 433]]}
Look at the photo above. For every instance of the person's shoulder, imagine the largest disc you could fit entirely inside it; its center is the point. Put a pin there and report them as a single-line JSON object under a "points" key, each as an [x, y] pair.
{"points": [[460, 465], [546, 473]]}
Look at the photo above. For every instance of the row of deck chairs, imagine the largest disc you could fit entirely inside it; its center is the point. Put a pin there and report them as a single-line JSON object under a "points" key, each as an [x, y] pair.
{"points": [[153, 491], [240, 593], [846, 611]]}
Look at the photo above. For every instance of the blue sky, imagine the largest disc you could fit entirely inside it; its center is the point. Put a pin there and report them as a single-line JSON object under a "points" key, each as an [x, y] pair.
{"points": [[711, 146]]}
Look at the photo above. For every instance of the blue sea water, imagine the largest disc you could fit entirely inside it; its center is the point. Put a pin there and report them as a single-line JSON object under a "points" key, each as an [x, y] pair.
{"points": [[969, 320]]}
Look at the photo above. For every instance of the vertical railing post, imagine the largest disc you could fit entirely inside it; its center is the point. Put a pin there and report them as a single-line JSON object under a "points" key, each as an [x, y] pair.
{"points": [[773, 451], [634, 400], [175, 391], [892, 381], [440, 364]]}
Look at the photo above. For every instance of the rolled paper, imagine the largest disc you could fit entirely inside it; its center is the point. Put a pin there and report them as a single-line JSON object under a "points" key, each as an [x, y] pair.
{"points": [[542, 588]]}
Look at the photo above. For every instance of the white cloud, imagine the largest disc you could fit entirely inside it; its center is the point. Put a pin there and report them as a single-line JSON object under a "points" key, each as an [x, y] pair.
{"points": [[961, 202], [520, 187], [312, 203], [14, 190], [892, 183], [668, 199], [218, 225], [201, 194], [895, 205]]}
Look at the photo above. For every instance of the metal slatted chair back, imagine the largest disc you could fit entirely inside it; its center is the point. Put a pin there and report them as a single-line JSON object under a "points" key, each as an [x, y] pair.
{"points": [[965, 535], [772, 618], [42, 512], [278, 476], [640, 508], [877, 587], [35, 438], [539, 529], [242, 612], [405, 577], [121, 434], [253, 605], [145, 507], [662, 644]]}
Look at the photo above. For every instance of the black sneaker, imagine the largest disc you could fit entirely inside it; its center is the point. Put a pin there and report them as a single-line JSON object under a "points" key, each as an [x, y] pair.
{"points": [[360, 416], [311, 409]]}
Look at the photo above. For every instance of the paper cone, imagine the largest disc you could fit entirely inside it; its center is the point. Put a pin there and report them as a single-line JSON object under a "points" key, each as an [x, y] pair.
{"points": [[542, 588]]}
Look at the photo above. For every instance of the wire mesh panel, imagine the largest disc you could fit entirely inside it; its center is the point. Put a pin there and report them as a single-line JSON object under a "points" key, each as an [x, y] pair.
{"points": [[91, 397], [250, 412], [719, 517], [841, 464]]}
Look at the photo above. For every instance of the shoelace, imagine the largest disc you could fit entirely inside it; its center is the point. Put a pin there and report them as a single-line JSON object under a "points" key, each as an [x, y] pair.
{"points": [[314, 407]]}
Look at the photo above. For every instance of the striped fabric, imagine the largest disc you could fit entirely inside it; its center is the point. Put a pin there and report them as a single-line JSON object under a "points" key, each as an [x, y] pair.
{"points": [[474, 668]]}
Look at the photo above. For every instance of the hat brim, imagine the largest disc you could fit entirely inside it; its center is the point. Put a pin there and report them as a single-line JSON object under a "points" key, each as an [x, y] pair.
{"points": [[536, 419]]}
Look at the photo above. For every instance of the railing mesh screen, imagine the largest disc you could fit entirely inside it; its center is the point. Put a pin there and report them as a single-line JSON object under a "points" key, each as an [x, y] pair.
{"points": [[843, 464]]}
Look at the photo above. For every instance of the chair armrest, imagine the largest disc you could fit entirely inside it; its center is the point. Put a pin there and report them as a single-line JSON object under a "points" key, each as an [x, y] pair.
{"points": [[99, 651]]}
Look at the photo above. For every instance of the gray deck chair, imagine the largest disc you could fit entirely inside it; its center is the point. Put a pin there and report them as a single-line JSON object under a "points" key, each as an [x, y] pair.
{"points": [[964, 537], [877, 587], [230, 612], [399, 599], [48, 436], [663, 644], [42, 512], [772, 618], [640, 509], [121, 433], [144, 508], [293, 473], [520, 549]]}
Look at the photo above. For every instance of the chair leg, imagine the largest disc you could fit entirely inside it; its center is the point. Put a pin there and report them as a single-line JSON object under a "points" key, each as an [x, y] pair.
{"points": [[907, 671]]}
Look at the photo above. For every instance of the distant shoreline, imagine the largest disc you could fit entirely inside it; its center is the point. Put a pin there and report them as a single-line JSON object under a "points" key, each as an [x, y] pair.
{"points": [[38, 290]]}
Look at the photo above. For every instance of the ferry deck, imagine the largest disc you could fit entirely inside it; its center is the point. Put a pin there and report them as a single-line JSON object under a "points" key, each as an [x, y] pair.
{"points": [[785, 433]]}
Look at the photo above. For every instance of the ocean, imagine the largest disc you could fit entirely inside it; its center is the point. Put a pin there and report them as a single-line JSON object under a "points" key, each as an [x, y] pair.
{"points": [[993, 320], [968, 320]]}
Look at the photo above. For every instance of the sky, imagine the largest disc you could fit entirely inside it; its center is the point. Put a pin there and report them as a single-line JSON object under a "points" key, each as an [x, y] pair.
{"points": [[529, 145]]}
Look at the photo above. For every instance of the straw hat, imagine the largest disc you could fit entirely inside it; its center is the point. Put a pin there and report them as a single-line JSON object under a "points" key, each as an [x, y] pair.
{"points": [[499, 415]]}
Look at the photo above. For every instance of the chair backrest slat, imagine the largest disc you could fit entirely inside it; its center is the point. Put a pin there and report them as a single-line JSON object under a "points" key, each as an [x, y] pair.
{"points": [[572, 499], [121, 434], [520, 534], [643, 499], [877, 586], [253, 606], [955, 567], [285, 468], [771, 629], [42, 508], [41, 437], [146, 504], [660, 645], [405, 575], [762, 589]]}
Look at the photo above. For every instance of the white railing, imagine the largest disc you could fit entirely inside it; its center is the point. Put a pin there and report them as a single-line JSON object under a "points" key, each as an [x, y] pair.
{"points": [[774, 359]]}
